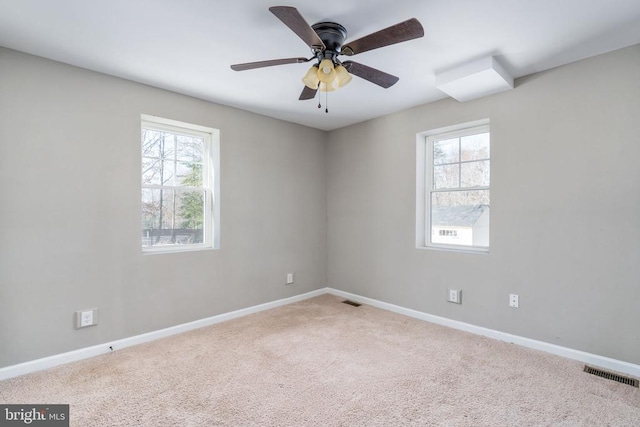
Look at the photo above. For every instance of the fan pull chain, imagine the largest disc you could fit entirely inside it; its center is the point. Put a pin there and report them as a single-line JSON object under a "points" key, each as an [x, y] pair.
{"points": [[326, 102]]}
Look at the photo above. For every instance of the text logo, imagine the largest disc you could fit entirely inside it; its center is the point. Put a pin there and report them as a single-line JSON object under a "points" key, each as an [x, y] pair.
{"points": [[34, 415]]}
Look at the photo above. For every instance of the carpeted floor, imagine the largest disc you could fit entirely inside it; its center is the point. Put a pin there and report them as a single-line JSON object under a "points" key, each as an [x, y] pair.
{"points": [[323, 363]]}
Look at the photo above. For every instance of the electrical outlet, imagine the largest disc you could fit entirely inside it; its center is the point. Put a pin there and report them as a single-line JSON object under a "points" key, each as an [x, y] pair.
{"points": [[455, 296], [86, 318], [514, 300], [289, 278]]}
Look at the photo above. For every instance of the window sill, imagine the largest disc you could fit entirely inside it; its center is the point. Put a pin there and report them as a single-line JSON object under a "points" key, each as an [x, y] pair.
{"points": [[468, 250], [173, 250]]}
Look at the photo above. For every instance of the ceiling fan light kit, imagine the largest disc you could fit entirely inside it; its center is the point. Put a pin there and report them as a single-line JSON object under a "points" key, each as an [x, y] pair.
{"points": [[326, 74], [327, 87], [342, 75], [326, 40], [311, 79]]}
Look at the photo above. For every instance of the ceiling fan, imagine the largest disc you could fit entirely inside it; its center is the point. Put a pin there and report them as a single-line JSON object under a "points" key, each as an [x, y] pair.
{"points": [[326, 40]]}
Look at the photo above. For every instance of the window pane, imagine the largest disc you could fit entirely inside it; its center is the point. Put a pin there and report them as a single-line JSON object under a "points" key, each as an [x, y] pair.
{"points": [[167, 172], [189, 174], [474, 174], [198, 149], [157, 216], [446, 176], [151, 171], [172, 217], [190, 215], [446, 151], [190, 148], [460, 218], [475, 147], [151, 141], [150, 209], [157, 172], [184, 139], [167, 146]]}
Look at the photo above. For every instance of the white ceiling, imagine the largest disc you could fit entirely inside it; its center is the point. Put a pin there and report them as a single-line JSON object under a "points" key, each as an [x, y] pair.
{"points": [[187, 46]]}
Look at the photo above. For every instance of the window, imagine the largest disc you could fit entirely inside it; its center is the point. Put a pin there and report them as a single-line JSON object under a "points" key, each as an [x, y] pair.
{"points": [[454, 188], [179, 182]]}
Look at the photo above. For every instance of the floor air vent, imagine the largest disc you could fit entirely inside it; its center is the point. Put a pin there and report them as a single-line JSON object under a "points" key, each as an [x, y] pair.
{"points": [[611, 376], [353, 303]]}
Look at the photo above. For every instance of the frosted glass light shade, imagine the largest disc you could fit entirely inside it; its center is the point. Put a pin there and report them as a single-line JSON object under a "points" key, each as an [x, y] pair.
{"points": [[327, 87], [311, 78], [326, 73], [342, 76]]}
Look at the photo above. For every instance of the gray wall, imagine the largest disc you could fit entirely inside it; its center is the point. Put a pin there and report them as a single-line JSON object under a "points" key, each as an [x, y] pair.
{"points": [[565, 206], [564, 231], [70, 211]]}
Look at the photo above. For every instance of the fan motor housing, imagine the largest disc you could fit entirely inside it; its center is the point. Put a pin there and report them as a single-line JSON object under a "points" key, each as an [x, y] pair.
{"points": [[332, 35]]}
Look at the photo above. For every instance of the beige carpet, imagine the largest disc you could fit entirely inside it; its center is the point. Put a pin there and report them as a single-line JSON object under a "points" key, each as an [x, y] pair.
{"points": [[323, 363]]}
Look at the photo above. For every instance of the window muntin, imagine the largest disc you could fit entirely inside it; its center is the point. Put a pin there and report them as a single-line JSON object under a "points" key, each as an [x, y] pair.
{"points": [[457, 199], [177, 186]]}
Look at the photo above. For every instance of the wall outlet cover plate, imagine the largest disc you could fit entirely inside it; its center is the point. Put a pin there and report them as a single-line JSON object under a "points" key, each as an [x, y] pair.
{"points": [[514, 300], [455, 296], [86, 318]]}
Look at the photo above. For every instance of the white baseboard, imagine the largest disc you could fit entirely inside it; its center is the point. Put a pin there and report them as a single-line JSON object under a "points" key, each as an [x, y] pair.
{"points": [[588, 358], [96, 350], [85, 353]]}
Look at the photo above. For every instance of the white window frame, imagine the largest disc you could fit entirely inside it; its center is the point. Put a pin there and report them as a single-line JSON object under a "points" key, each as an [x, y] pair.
{"points": [[211, 181], [424, 177]]}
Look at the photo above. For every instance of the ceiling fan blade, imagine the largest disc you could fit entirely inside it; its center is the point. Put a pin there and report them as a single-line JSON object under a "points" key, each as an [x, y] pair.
{"points": [[371, 74], [292, 19], [307, 93], [270, 63], [407, 30]]}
